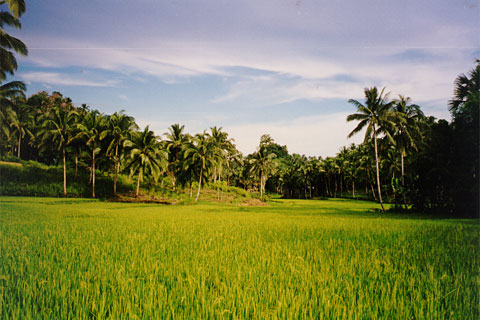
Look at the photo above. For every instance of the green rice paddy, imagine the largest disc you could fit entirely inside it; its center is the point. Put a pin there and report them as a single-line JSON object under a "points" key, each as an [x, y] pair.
{"points": [[75, 258]]}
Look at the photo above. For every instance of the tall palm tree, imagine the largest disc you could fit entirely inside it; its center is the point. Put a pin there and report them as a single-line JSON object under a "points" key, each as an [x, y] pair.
{"points": [[9, 44], [175, 141], [222, 145], [20, 120], [352, 165], [405, 130], [8, 63], [466, 93], [120, 126], [145, 156], [93, 130], [8, 93], [262, 164], [58, 126], [374, 115], [199, 154]]}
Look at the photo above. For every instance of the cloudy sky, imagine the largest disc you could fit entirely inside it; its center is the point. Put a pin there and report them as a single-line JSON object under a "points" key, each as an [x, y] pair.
{"points": [[282, 67]]}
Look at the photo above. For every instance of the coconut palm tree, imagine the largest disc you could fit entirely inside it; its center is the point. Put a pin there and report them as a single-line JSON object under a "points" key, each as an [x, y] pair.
{"points": [[222, 145], [17, 7], [8, 93], [466, 93], [175, 141], [8, 63], [20, 119], [93, 130], [119, 127], [404, 132], [58, 126], [352, 165], [9, 44], [145, 156], [262, 165], [199, 154], [374, 115]]}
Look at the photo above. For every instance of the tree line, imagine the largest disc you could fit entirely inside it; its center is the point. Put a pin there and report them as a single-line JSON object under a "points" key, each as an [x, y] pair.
{"points": [[406, 158]]}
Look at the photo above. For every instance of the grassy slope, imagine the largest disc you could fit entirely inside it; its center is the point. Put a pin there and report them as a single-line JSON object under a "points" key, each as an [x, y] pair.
{"points": [[31, 178], [81, 258]]}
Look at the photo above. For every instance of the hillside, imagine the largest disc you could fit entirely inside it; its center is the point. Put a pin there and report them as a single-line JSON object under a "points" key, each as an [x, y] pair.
{"points": [[30, 178]]}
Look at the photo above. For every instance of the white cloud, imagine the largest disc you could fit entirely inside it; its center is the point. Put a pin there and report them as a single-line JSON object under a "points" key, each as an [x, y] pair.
{"points": [[54, 78]]}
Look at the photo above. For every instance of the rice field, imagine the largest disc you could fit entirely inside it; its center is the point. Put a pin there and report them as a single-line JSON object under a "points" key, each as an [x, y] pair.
{"points": [[293, 259]]}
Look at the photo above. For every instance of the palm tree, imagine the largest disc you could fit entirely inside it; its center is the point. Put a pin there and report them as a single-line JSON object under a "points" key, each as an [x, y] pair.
{"points": [[222, 145], [467, 93], [8, 62], [8, 93], [352, 164], [199, 154], [93, 130], [375, 115], [145, 156], [58, 126], [405, 130], [262, 164], [17, 7], [119, 128], [176, 139], [20, 120]]}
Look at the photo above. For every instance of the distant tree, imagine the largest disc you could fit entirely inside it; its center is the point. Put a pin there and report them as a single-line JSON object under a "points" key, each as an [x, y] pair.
{"points": [[465, 107], [175, 141], [221, 145], [58, 127], [405, 132], [20, 119], [199, 154], [146, 155], [9, 92], [262, 162], [119, 127], [375, 116], [92, 128]]}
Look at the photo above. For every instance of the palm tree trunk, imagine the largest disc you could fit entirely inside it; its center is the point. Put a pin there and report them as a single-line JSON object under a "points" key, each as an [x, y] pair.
{"points": [[199, 185], [93, 172], [326, 187], [378, 169], [336, 186], [373, 192], [138, 184], [403, 182], [341, 186], [64, 172], [261, 185], [76, 164], [19, 144], [116, 172], [353, 188]]}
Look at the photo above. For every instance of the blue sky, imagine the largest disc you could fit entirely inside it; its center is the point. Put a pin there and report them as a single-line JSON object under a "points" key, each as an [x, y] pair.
{"points": [[282, 67]]}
